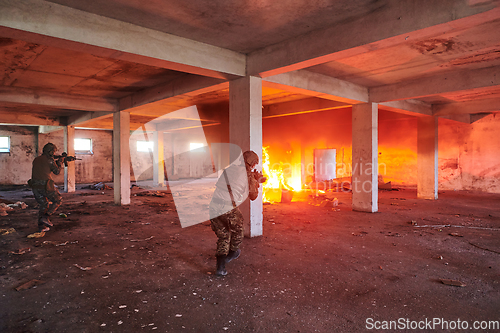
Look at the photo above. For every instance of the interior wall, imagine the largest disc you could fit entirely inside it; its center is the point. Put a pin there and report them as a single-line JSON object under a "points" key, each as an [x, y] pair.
{"points": [[97, 167], [397, 148], [289, 136], [469, 154], [26, 144], [16, 165]]}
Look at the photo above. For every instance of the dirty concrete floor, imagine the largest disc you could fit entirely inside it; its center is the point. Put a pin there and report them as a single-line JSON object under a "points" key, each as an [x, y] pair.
{"points": [[108, 268]]}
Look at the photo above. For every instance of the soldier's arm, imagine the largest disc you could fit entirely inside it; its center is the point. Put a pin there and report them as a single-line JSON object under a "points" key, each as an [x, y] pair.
{"points": [[55, 166], [253, 187]]}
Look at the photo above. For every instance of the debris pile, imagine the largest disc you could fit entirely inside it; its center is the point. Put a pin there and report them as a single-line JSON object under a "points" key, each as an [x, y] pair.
{"points": [[324, 199], [151, 194], [98, 187], [6, 231], [4, 208], [29, 284], [337, 185]]}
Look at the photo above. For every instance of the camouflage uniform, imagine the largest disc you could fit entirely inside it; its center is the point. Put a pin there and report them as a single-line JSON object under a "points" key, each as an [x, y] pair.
{"points": [[42, 185], [227, 223], [229, 230]]}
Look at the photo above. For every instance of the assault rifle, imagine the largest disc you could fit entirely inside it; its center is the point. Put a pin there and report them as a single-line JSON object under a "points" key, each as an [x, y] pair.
{"points": [[66, 158]]}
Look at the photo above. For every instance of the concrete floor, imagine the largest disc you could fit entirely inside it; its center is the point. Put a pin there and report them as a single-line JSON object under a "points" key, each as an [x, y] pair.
{"points": [[108, 268]]}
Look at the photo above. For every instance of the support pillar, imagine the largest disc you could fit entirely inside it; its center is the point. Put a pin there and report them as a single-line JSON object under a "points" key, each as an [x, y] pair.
{"points": [[365, 157], [427, 158], [121, 157], [70, 170], [158, 160], [245, 130]]}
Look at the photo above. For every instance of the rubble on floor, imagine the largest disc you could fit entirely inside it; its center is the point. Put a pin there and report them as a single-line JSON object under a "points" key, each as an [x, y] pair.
{"points": [[98, 187], [151, 194]]}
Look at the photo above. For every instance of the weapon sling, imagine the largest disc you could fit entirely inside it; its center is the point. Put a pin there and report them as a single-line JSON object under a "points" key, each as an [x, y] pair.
{"points": [[229, 189]]}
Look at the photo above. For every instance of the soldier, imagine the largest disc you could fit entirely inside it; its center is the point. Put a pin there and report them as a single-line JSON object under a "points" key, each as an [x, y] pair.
{"points": [[225, 217], [42, 185]]}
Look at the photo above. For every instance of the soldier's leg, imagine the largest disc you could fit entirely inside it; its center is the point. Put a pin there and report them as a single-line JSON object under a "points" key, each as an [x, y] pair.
{"points": [[43, 203], [236, 226], [219, 226], [56, 200]]}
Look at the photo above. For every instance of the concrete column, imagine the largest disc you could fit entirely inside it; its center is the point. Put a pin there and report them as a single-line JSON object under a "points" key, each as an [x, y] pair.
{"points": [[69, 148], [121, 157], [245, 130], [365, 157], [427, 158], [158, 160]]}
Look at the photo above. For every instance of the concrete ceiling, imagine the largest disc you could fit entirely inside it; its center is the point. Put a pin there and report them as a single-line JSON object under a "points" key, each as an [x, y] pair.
{"points": [[79, 61]]}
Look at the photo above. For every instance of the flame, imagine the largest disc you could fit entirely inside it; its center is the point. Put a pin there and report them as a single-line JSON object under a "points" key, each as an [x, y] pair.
{"points": [[276, 179]]}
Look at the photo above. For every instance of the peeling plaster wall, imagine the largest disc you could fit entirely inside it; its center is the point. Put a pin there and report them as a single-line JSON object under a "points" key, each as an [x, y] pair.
{"points": [[97, 167], [94, 168], [26, 144], [16, 165], [469, 155]]}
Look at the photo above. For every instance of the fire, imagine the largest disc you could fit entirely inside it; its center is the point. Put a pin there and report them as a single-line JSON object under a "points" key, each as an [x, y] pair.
{"points": [[276, 179]]}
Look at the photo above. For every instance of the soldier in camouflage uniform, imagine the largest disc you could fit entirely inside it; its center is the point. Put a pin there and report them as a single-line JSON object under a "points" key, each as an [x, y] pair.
{"points": [[226, 219], [42, 185]]}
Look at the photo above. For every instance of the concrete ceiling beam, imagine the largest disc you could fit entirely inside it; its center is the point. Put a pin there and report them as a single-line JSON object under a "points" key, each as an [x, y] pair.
{"points": [[22, 119], [178, 124], [461, 118], [478, 116], [395, 23], [318, 85], [188, 85], [438, 84], [49, 129], [409, 107], [51, 24], [56, 100], [486, 105], [80, 118], [301, 106]]}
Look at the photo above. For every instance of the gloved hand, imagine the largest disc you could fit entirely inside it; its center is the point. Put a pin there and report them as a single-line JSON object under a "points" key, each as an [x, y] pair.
{"points": [[259, 177]]}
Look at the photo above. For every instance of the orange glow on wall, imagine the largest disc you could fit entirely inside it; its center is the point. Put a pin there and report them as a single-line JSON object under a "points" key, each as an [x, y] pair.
{"points": [[397, 165]]}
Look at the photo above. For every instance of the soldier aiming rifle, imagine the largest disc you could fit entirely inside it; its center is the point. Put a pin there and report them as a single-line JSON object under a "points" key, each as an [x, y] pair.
{"points": [[66, 158], [46, 194], [225, 217]]}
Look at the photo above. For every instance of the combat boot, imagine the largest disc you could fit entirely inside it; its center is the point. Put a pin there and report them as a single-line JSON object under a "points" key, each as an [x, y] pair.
{"points": [[233, 255], [43, 228], [221, 266], [45, 220]]}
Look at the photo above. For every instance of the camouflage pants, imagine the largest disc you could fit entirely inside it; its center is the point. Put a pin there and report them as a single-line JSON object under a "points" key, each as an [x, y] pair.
{"points": [[48, 201], [229, 230]]}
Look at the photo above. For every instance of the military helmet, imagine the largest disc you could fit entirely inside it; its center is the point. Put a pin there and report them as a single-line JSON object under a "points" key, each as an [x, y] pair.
{"points": [[49, 148], [250, 157]]}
